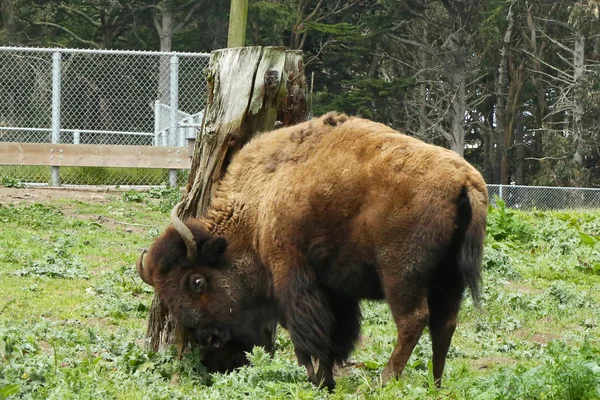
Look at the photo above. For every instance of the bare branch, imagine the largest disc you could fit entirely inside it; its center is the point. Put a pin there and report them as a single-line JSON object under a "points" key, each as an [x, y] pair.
{"points": [[337, 10], [554, 21], [187, 17], [149, 7], [559, 44], [301, 7], [545, 158], [436, 126], [568, 82], [82, 15], [186, 5], [566, 61], [157, 24], [70, 33], [135, 31], [321, 47], [414, 43], [560, 72], [314, 11]]}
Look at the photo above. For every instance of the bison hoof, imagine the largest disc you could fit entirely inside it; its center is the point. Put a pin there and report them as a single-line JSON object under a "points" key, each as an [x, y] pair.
{"points": [[388, 375], [330, 386]]}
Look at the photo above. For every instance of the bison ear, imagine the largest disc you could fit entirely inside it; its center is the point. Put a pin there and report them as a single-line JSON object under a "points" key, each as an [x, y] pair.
{"points": [[214, 248]]}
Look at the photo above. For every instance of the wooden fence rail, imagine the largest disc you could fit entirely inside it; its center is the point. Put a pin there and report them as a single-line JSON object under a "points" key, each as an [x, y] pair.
{"points": [[83, 155]]}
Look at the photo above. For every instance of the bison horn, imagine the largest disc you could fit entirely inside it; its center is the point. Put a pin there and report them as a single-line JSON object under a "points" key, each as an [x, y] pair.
{"points": [[185, 233], [142, 272]]}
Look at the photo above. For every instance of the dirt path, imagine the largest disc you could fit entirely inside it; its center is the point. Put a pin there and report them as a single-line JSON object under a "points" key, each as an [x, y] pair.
{"points": [[41, 195], [96, 196]]}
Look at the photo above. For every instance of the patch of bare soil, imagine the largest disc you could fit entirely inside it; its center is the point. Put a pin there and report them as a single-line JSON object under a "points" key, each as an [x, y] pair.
{"points": [[522, 288], [537, 337], [544, 337], [546, 320], [486, 362], [88, 195], [115, 225], [41, 195], [46, 347], [98, 322]]}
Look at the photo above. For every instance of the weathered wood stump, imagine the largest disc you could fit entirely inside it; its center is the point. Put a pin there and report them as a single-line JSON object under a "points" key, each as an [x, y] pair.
{"points": [[251, 90]]}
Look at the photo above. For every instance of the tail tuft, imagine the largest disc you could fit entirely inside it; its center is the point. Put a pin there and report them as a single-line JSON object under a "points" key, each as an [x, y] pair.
{"points": [[470, 223]]}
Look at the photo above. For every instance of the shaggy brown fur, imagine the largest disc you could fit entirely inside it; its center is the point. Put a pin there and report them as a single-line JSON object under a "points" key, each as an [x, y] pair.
{"points": [[317, 217]]}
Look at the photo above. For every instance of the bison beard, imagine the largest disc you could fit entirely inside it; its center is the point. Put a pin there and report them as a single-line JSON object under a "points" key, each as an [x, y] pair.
{"points": [[309, 220]]}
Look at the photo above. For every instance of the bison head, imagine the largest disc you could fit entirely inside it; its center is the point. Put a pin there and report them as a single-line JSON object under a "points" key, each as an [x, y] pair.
{"points": [[208, 292]]}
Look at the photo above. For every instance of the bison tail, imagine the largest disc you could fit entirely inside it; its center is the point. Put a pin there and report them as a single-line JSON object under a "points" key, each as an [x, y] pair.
{"points": [[471, 222]]}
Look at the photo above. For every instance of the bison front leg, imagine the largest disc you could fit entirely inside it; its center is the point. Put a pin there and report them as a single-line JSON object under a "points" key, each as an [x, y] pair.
{"points": [[307, 315], [305, 361], [324, 377]]}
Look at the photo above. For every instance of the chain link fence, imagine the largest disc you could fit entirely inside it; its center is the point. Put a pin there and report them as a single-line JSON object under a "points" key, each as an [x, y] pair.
{"points": [[100, 97], [545, 197], [112, 98]]}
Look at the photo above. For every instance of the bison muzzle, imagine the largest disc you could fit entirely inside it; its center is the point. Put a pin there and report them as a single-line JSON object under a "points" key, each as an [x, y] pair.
{"points": [[309, 220]]}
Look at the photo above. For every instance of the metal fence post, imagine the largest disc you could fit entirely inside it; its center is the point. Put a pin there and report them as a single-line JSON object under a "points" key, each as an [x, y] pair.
{"points": [[500, 192], [156, 122], [76, 137], [56, 61], [175, 138]]}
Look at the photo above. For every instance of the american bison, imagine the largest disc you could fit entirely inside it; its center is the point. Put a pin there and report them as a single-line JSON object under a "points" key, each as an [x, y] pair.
{"points": [[310, 219]]}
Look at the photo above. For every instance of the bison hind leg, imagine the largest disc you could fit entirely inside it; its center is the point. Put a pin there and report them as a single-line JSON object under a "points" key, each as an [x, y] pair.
{"points": [[411, 314], [444, 302]]}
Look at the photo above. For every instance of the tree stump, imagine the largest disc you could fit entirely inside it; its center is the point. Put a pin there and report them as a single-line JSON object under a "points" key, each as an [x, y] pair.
{"points": [[251, 90]]}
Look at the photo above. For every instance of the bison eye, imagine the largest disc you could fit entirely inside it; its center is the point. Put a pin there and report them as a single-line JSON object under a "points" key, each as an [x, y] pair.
{"points": [[197, 283]]}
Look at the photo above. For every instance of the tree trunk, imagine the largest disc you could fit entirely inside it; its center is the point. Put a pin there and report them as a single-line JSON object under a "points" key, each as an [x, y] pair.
{"points": [[520, 153], [501, 95], [249, 88], [485, 145], [579, 68], [375, 60], [164, 28], [423, 89], [511, 115], [459, 107], [541, 105], [8, 21], [458, 78]]}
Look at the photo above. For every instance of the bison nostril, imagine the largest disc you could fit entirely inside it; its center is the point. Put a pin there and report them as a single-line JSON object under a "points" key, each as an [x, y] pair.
{"points": [[213, 341], [213, 338]]}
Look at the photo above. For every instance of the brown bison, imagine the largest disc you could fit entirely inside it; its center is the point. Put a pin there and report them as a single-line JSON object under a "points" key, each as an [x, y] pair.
{"points": [[310, 219]]}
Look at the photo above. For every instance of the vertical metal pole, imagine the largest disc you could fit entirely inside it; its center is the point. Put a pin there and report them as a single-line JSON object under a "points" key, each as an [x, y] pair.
{"points": [[173, 178], [174, 102], [501, 192], [76, 137], [176, 137], [55, 180], [156, 122]]}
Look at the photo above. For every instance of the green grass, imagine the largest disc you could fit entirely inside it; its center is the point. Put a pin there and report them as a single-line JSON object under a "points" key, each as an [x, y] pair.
{"points": [[73, 315]]}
